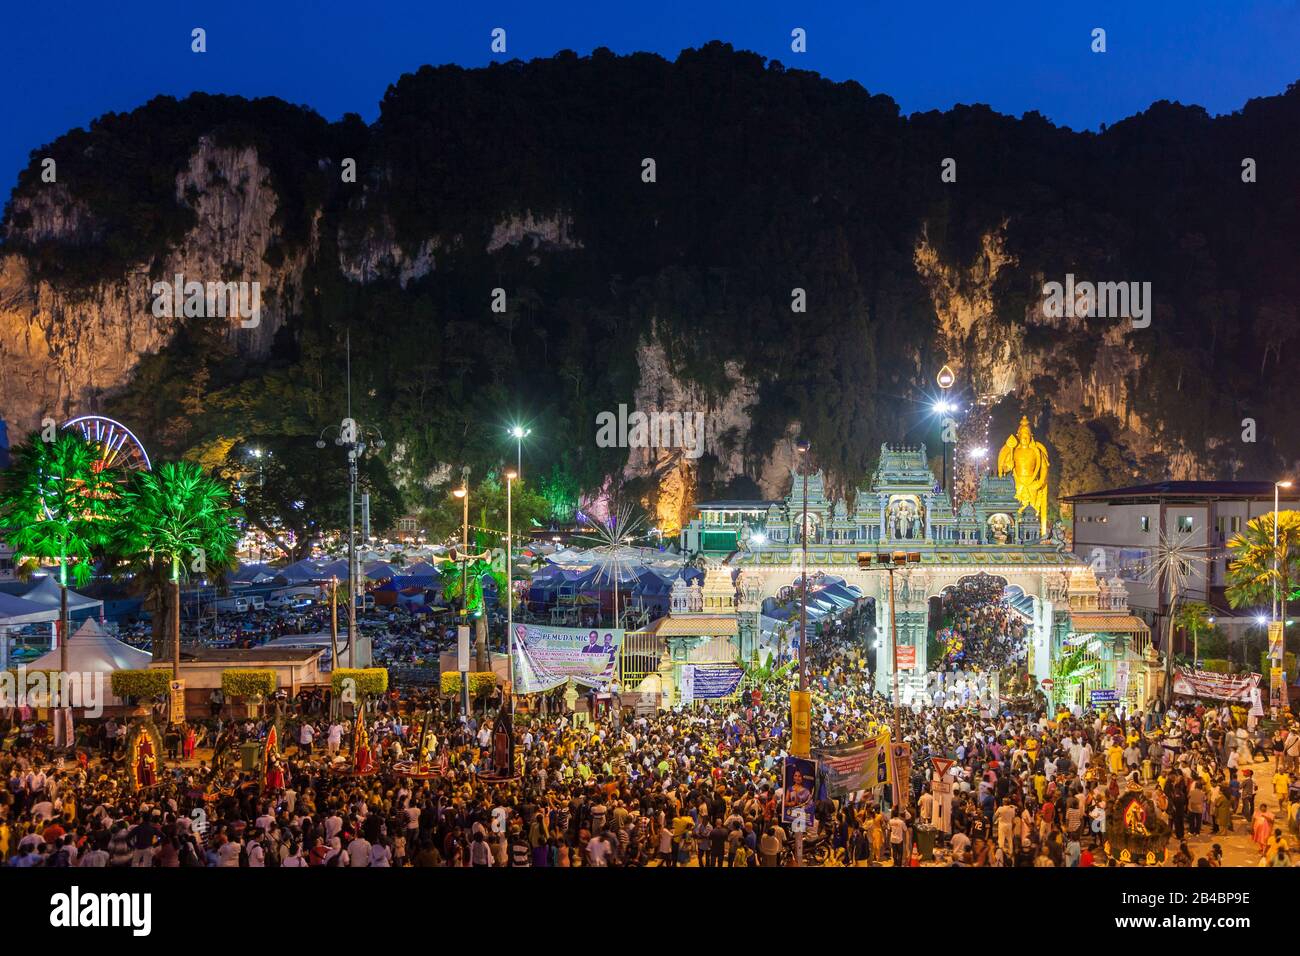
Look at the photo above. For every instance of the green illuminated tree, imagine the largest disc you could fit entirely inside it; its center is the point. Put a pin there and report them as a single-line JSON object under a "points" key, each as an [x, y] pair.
{"points": [[452, 586], [1194, 618], [1251, 573], [58, 504], [176, 515]]}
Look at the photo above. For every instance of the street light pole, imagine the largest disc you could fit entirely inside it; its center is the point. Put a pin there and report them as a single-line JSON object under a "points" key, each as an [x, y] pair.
{"points": [[1277, 486], [463, 493], [891, 562], [520, 434], [352, 556], [510, 591], [802, 448]]}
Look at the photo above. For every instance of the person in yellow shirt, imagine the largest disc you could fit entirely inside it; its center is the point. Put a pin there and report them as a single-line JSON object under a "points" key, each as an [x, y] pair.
{"points": [[1281, 790], [1115, 758]]}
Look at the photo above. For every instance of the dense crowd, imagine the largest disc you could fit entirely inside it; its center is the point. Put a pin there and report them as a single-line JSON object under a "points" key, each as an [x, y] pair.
{"points": [[980, 629], [618, 787]]}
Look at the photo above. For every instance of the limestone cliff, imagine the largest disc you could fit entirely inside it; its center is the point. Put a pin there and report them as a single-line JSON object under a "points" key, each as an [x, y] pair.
{"points": [[63, 348]]}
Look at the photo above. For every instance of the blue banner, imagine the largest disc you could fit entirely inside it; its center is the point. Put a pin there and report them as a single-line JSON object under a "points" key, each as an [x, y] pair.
{"points": [[710, 681]]}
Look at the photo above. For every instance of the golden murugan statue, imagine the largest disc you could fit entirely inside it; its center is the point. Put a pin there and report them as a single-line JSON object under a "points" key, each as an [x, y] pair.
{"points": [[1026, 459]]}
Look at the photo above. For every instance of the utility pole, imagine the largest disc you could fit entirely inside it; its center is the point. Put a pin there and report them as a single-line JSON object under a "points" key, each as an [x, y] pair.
{"points": [[463, 628], [510, 591], [802, 447]]}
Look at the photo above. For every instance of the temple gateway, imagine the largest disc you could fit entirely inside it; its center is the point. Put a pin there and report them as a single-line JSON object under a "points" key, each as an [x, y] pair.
{"points": [[1081, 637]]}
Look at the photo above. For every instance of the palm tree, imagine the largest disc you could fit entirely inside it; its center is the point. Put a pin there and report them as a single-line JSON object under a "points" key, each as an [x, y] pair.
{"points": [[1251, 574], [1194, 616], [57, 503], [1071, 670], [177, 514]]}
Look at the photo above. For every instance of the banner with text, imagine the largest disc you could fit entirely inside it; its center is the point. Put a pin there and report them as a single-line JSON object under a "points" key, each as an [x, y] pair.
{"points": [[1207, 684], [853, 767], [710, 681], [546, 657]]}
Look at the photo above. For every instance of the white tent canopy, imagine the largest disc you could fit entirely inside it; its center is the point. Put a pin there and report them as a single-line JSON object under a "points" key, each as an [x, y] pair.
{"points": [[15, 611], [46, 592], [90, 649]]}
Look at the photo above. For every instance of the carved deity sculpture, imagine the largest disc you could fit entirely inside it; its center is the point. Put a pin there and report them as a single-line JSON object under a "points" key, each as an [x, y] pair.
{"points": [[1027, 461]]}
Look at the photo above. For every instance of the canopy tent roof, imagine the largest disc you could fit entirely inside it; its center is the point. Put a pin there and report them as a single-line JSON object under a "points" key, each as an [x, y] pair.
{"points": [[373, 570], [16, 610], [420, 569], [90, 649], [256, 573], [305, 571], [46, 592], [378, 570]]}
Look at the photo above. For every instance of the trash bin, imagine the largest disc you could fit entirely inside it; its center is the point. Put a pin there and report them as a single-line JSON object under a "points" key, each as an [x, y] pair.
{"points": [[250, 756], [925, 837]]}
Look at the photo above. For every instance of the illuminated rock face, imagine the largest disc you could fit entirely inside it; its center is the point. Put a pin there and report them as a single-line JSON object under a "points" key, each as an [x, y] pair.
{"points": [[726, 422], [62, 349], [995, 357]]}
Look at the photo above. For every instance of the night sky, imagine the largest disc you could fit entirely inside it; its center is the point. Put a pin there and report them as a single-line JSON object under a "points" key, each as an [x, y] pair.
{"points": [[64, 64]]}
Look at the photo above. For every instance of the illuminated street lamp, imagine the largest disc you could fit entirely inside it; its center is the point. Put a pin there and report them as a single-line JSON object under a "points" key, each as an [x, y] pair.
{"points": [[520, 433], [945, 380]]}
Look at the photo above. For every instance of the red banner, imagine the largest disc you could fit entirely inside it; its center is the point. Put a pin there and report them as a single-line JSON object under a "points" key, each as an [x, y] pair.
{"points": [[1231, 687]]}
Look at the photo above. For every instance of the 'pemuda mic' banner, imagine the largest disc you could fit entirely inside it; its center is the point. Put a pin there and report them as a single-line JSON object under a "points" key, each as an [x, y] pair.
{"points": [[545, 657]]}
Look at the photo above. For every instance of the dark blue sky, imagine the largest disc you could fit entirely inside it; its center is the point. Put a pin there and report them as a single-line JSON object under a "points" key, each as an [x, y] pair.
{"points": [[64, 64]]}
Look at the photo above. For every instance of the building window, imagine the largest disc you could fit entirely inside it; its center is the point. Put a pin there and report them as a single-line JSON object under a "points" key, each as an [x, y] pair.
{"points": [[1184, 523], [1144, 523]]}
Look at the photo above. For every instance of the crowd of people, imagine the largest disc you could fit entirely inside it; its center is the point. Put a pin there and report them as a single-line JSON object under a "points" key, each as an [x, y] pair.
{"points": [[624, 787], [980, 629]]}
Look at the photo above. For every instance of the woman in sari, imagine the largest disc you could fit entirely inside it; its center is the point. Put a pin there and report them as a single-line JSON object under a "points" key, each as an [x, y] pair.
{"points": [[1261, 826]]}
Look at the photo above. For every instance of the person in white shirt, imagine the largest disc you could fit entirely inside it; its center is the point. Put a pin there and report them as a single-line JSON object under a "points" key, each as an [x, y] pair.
{"points": [[97, 857], [380, 855], [359, 851], [335, 739], [306, 734], [598, 850], [256, 855], [228, 854]]}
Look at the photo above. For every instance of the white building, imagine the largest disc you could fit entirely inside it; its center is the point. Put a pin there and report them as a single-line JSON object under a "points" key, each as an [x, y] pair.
{"points": [[1116, 531]]}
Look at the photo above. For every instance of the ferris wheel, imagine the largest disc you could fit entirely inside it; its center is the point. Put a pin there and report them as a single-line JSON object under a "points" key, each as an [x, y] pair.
{"points": [[120, 450]]}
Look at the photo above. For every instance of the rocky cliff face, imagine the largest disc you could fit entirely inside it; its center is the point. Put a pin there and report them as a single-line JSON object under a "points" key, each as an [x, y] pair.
{"points": [[901, 274], [62, 349], [726, 423], [998, 358]]}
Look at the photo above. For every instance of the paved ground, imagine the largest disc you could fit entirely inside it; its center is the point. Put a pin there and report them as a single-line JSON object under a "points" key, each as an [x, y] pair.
{"points": [[1238, 849]]}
